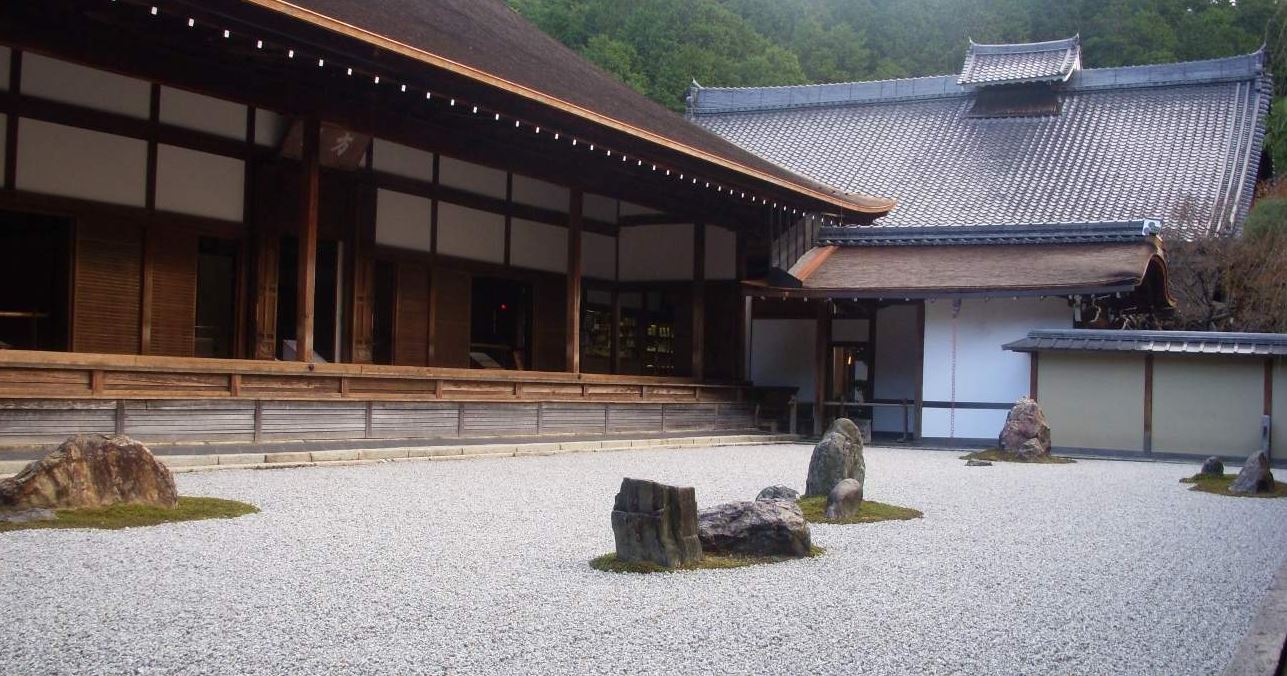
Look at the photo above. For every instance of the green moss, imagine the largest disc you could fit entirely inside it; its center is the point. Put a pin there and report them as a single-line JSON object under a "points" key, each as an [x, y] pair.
{"points": [[870, 511], [998, 455], [132, 516], [609, 563], [1220, 486]]}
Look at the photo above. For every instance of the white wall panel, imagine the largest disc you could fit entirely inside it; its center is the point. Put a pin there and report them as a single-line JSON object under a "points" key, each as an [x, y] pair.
{"points": [[984, 372], [721, 253], [59, 160], [657, 252], [897, 369], [400, 160], [599, 208], [539, 246], [402, 220], [471, 177], [203, 113], [200, 184], [970, 423], [598, 256], [270, 127], [782, 354], [5, 55], [65, 82], [469, 233], [537, 193]]}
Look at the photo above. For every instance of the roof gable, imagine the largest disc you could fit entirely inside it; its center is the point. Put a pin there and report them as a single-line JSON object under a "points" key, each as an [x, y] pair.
{"points": [[1053, 61]]}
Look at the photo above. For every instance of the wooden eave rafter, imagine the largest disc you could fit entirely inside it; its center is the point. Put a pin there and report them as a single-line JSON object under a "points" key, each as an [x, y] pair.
{"points": [[858, 204]]}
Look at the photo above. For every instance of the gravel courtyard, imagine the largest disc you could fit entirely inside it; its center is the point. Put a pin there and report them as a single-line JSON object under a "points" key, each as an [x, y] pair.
{"points": [[481, 567]]}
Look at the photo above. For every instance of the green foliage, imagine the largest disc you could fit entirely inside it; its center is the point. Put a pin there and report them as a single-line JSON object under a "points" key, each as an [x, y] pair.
{"points": [[1267, 217], [609, 563], [1276, 135], [1220, 486], [132, 516], [815, 511]]}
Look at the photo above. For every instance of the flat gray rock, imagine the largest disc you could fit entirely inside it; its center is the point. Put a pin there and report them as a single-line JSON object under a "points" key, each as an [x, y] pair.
{"points": [[27, 515], [974, 462], [755, 528], [778, 493]]}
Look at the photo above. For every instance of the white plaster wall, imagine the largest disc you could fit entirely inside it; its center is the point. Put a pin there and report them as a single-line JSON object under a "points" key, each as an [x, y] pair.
{"points": [[721, 253], [598, 256], [538, 193], [984, 372], [539, 246], [469, 233], [200, 184], [897, 351], [782, 354], [657, 252], [400, 160], [203, 113], [402, 220], [65, 82], [599, 208], [471, 177], [4, 68], [57, 160], [270, 127]]}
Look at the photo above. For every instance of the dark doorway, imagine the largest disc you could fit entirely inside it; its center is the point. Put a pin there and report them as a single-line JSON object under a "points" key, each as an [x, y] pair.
{"points": [[327, 331], [384, 310], [35, 262], [216, 297], [500, 318]]}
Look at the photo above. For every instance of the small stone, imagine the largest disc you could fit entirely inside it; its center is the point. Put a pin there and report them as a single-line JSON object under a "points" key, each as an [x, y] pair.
{"points": [[1212, 467], [1255, 476], [778, 493], [755, 528], [844, 500], [974, 462], [27, 515], [836, 458], [656, 523], [1026, 431], [92, 471]]}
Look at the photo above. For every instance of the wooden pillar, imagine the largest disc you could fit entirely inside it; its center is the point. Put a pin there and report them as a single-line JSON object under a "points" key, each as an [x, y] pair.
{"points": [[740, 371], [307, 264], [1148, 403], [1033, 377], [615, 350], [573, 337], [699, 301], [822, 363], [1269, 401]]}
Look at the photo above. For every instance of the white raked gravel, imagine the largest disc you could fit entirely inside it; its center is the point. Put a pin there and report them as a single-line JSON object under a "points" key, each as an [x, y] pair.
{"points": [[480, 566]]}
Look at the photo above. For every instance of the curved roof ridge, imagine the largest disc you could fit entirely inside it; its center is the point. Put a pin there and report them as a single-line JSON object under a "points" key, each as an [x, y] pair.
{"points": [[1019, 47]]}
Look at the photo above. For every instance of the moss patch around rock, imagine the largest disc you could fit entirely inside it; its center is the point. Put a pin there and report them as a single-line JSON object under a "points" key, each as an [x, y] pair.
{"points": [[998, 455], [609, 563], [815, 511], [131, 516], [1220, 486]]}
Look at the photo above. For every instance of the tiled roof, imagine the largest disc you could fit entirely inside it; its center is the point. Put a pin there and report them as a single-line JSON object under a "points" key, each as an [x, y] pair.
{"points": [[1046, 233], [1179, 143], [1011, 64], [1184, 342]]}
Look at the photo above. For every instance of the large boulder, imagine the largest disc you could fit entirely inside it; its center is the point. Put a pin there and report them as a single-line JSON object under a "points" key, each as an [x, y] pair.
{"points": [[778, 493], [844, 500], [1026, 431], [1212, 467], [91, 471], [836, 458], [1255, 476], [656, 523], [755, 528]]}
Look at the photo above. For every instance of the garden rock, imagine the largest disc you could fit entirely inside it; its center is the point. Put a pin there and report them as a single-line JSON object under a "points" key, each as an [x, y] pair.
{"points": [[755, 528], [844, 500], [778, 493], [836, 458], [656, 523], [27, 515], [974, 462], [1212, 467], [1026, 431], [1255, 476], [92, 471]]}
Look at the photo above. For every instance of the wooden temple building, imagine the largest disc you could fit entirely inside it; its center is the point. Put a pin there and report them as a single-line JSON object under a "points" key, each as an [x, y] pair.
{"points": [[246, 220]]}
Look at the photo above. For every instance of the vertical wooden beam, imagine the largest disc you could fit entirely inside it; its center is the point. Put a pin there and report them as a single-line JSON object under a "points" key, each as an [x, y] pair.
{"points": [[1148, 404], [509, 216], [11, 125], [743, 309], [699, 300], [573, 337], [307, 251], [920, 369], [241, 339], [1269, 399], [1033, 368], [821, 364], [615, 350], [146, 287]]}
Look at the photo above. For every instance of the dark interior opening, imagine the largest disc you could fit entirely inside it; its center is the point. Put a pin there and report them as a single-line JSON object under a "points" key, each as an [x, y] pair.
{"points": [[500, 318], [326, 308], [385, 302], [216, 297], [35, 260]]}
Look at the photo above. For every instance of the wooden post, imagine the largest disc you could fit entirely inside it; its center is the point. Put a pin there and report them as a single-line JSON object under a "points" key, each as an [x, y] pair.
{"points": [[1033, 368], [699, 300], [822, 363], [1148, 404], [1269, 401], [307, 254], [615, 352], [574, 283], [744, 306]]}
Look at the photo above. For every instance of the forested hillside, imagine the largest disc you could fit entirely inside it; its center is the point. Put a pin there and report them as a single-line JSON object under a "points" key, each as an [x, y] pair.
{"points": [[659, 46]]}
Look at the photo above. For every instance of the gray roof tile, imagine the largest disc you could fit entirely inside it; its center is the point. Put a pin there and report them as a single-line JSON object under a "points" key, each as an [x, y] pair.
{"points": [[1052, 61], [1186, 342]]}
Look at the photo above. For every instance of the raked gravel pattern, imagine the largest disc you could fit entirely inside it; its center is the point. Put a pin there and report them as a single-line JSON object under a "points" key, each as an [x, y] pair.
{"points": [[480, 566]]}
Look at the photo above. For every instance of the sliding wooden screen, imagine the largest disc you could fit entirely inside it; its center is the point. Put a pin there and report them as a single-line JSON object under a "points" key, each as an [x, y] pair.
{"points": [[411, 316], [172, 317], [451, 332], [106, 310], [549, 324], [267, 253]]}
